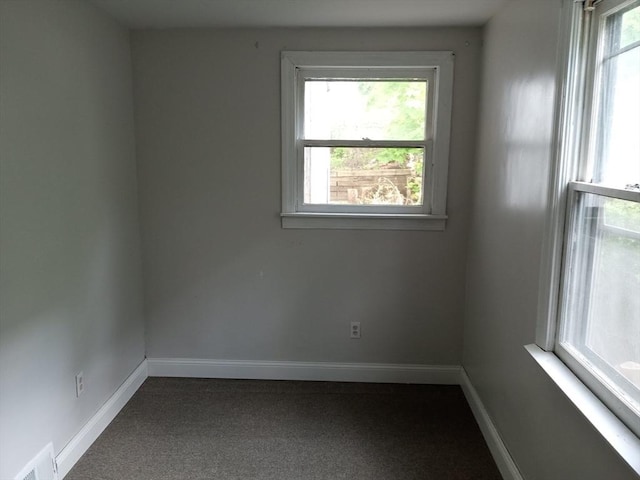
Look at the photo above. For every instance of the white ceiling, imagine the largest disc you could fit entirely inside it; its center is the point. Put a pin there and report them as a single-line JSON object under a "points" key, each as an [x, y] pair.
{"points": [[299, 13]]}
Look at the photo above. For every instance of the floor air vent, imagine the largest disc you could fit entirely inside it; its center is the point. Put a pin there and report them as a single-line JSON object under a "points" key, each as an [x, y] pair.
{"points": [[31, 475], [41, 467]]}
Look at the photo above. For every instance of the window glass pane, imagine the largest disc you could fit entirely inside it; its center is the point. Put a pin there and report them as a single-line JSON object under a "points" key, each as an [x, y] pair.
{"points": [[602, 307], [363, 176], [618, 155], [630, 30], [356, 109]]}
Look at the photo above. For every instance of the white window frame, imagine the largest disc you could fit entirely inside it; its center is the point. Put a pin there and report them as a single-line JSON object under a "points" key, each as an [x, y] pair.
{"points": [[581, 28], [436, 68]]}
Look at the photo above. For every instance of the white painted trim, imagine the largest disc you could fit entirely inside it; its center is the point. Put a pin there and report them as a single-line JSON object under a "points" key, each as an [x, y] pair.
{"points": [[612, 192], [81, 442], [569, 101], [289, 132], [313, 371], [389, 59], [339, 221], [623, 441], [438, 66], [498, 449]]}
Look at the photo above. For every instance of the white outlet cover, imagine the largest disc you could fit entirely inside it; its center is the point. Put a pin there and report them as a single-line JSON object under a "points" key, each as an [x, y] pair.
{"points": [[355, 329], [79, 384]]}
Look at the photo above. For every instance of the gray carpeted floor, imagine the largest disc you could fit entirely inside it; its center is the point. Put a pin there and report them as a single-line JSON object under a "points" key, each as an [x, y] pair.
{"points": [[197, 429]]}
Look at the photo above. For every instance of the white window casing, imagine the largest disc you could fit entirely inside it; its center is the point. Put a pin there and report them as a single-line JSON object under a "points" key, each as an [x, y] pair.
{"points": [[434, 67], [578, 191]]}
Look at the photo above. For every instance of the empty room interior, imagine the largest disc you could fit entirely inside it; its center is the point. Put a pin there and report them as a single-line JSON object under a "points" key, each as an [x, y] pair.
{"points": [[173, 222]]}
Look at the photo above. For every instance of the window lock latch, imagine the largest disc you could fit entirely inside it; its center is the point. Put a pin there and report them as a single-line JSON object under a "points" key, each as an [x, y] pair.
{"points": [[589, 5]]}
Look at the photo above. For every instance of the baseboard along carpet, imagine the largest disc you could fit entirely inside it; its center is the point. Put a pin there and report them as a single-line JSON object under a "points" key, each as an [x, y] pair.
{"points": [[208, 429]]}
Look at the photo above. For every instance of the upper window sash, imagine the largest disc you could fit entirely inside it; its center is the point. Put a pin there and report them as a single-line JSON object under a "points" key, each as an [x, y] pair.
{"points": [[350, 73], [629, 194], [574, 141], [600, 48]]}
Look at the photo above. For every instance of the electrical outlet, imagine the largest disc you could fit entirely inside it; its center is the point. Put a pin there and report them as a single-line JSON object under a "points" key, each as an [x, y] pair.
{"points": [[355, 329], [79, 384]]}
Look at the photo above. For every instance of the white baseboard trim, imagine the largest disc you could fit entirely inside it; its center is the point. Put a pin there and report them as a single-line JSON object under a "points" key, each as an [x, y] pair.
{"points": [[81, 442], [498, 449], [271, 370], [314, 371]]}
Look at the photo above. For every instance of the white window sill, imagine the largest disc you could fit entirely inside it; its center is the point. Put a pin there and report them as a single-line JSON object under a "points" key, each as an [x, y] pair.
{"points": [[355, 221], [625, 443]]}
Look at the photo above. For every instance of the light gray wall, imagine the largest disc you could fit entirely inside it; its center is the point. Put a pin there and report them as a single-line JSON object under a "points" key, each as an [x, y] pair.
{"points": [[222, 279], [70, 263], [547, 437]]}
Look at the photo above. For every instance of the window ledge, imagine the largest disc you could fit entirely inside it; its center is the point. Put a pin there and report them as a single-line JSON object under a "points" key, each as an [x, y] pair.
{"points": [[625, 443], [358, 221]]}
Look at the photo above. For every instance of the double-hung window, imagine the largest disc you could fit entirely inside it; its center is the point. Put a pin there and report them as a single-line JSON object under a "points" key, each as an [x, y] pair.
{"points": [[365, 139], [597, 334]]}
